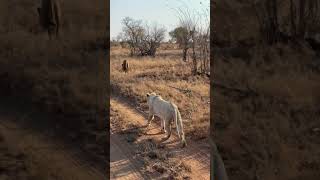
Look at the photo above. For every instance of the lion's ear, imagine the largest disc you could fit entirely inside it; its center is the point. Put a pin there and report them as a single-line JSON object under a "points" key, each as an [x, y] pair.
{"points": [[148, 94]]}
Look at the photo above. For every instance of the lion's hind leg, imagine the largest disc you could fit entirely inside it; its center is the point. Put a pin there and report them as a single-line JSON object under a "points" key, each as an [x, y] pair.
{"points": [[168, 131]]}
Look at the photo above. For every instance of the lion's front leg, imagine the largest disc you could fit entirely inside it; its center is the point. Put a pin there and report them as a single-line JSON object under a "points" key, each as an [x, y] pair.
{"points": [[163, 130], [150, 118]]}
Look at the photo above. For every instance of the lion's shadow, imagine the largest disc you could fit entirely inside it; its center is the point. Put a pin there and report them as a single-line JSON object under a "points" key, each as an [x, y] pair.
{"points": [[146, 129], [163, 141]]}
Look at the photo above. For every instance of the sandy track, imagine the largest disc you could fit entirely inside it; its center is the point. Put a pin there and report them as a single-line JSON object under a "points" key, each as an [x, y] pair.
{"points": [[122, 162], [197, 158], [53, 157], [123, 165]]}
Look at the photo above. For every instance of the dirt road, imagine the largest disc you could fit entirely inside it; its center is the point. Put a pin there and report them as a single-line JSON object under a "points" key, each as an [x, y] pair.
{"points": [[46, 156], [128, 142], [122, 163]]}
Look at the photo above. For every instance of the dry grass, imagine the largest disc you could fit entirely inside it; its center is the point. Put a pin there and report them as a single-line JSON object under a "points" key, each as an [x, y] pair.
{"points": [[163, 75], [59, 75], [266, 100], [266, 113]]}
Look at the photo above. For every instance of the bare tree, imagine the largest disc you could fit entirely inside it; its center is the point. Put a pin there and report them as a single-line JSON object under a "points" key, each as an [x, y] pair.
{"points": [[151, 40], [204, 51], [303, 18], [267, 15], [197, 25], [181, 36], [142, 40], [133, 33]]}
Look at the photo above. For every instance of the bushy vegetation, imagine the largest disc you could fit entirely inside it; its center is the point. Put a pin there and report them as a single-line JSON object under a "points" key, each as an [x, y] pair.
{"points": [[265, 80], [57, 76]]}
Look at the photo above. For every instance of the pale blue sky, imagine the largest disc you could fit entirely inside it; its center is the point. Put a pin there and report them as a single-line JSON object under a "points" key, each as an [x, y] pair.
{"points": [[151, 11]]}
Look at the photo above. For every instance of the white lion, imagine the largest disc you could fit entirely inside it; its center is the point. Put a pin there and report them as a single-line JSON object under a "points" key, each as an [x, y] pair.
{"points": [[167, 112]]}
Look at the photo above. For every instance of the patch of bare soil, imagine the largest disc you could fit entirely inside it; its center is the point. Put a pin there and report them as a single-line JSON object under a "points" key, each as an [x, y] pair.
{"points": [[39, 150], [146, 155], [41, 142], [13, 165], [123, 164]]}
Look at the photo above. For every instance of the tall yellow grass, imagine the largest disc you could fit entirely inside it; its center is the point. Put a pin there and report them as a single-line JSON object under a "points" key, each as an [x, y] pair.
{"points": [[163, 75]]}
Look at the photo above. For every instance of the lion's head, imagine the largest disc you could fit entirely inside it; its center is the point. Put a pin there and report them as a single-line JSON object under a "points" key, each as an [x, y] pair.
{"points": [[150, 97]]}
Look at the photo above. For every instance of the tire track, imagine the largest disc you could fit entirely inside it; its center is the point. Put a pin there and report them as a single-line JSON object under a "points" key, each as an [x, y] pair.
{"points": [[123, 165]]}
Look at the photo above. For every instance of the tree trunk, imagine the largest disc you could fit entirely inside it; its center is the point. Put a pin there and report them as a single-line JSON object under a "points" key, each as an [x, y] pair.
{"points": [[293, 19], [302, 19], [184, 54], [273, 26], [194, 60]]}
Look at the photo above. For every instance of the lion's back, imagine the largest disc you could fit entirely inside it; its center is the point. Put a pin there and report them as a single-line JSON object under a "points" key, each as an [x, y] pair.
{"points": [[163, 108]]}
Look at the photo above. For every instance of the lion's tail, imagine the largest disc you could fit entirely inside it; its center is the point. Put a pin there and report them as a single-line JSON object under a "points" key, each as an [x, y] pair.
{"points": [[179, 127]]}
